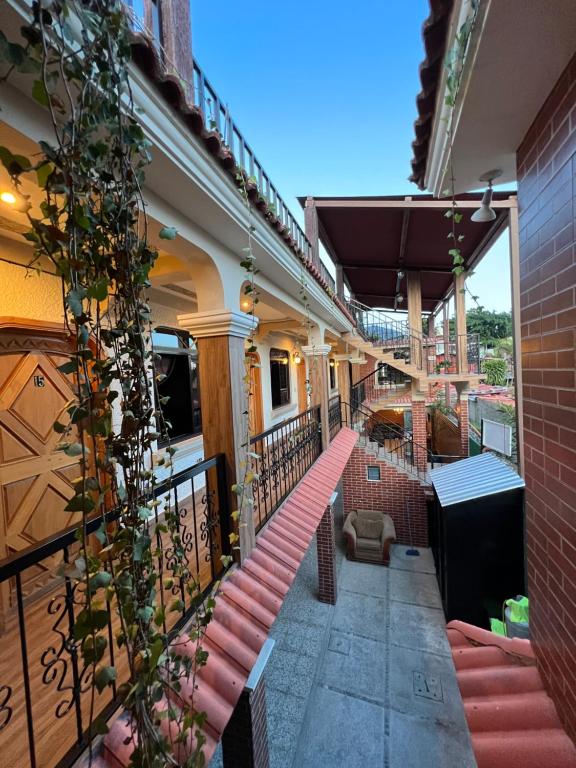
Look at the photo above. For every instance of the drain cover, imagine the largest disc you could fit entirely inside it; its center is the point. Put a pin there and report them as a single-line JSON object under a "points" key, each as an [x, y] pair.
{"points": [[339, 644], [428, 686]]}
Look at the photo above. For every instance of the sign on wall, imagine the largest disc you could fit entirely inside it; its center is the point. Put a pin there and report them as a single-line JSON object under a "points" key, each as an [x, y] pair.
{"points": [[497, 436]]}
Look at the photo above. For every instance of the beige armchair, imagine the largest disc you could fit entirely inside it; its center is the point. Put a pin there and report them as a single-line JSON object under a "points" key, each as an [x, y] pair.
{"points": [[369, 535]]}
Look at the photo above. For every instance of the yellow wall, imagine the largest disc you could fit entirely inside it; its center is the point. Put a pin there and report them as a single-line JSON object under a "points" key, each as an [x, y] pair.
{"points": [[29, 295]]}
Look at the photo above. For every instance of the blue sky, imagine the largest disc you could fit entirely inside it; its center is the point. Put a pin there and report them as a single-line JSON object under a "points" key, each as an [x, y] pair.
{"points": [[325, 94]]}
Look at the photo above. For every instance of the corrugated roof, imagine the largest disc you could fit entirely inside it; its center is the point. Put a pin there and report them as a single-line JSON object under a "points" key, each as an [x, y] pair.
{"points": [[473, 478], [246, 607], [512, 720]]}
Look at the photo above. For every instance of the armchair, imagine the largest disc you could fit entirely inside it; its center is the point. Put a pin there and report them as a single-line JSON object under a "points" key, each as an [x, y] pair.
{"points": [[369, 534]]}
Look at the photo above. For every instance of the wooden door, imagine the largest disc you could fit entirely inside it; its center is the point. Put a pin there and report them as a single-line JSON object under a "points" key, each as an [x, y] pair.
{"points": [[35, 478], [302, 395], [255, 410]]}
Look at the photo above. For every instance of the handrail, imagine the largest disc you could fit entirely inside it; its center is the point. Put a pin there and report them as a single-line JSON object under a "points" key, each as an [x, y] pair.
{"points": [[218, 120], [18, 562], [199, 495], [407, 450], [282, 456]]}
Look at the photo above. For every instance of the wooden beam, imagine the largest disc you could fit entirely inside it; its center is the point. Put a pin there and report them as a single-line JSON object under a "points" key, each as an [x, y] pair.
{"points": [[404, 235], [517, 334], [411, 203], [405, 267]]}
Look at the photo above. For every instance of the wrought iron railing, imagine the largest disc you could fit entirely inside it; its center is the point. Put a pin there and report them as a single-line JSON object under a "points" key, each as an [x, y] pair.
{"points": [[45, 690], [441, 354], [285, 453], [217, 118], [383, 381], [397, 443], [334, 416]]}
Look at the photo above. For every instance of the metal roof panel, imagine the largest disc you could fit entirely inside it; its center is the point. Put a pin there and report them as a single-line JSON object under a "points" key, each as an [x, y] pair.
{"points": [[474, 478]]}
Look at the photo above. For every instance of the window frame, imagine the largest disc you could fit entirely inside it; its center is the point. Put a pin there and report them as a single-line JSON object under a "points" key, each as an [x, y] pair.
{"points": [[185, 348], [276, 356]]}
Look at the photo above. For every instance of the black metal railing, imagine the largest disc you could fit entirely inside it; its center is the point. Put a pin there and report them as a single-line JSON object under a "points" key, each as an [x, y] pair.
{"points": [[45, 689], [285, 453], [383, 381], [441, 354], [217, 118], [334, 416], [397, 442]]}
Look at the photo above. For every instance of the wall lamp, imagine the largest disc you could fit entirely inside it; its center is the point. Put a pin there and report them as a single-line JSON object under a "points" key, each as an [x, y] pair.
{"points": [[485, 213]]}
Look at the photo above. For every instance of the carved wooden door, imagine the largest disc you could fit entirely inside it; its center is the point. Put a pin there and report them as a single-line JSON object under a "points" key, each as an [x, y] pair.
{"points": [[35, 478]]}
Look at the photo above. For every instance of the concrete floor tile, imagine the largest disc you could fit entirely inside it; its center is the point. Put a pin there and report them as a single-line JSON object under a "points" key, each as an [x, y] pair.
{"points": [[416, 743], [341, 731], [415, 587], [424, 563], [363, 577], [414, 626], [355, 665], [361, 615], [408, 671]]}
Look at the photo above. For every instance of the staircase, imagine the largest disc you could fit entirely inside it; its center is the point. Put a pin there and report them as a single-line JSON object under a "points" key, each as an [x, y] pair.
{"points": [[388, 441], [405, 349]]}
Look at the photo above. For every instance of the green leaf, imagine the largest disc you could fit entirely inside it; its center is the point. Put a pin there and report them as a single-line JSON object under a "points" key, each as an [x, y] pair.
{"points": [[70, 367], [98, 290], [104, 677], [74, 300], [93, 648], [168, 233], [40, 94], [80, 503], [72, 449], [155, 652], [43, 174]]}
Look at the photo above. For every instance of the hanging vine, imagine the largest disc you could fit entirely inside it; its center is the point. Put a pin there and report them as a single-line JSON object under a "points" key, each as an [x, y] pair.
{"points": [[91, 226], [454, 64], [243, 487]]}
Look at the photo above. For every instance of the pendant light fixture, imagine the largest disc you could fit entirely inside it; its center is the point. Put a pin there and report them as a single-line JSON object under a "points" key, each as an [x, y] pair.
{"points": [[485, 213]]}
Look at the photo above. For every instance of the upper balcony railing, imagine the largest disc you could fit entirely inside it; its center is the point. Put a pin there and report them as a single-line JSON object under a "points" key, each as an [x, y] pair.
{"points": [[218, 120]]}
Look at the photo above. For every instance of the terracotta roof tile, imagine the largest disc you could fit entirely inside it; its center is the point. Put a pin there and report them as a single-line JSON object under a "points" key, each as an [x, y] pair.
{"points": [[512, 720], [249, 601]]}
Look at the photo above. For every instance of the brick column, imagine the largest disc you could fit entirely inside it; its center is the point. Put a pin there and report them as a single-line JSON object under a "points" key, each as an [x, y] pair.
{"points": [[419, 433], [177, 40], [245, 738], [464, 424], [326, 547]]}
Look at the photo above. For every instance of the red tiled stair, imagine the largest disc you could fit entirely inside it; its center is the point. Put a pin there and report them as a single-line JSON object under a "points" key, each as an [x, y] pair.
{"points": [[249, 601], [512, 720]]}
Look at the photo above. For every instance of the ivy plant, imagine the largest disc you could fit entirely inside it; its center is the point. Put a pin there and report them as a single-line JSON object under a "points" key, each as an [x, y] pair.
{"points": [[91, 225]]}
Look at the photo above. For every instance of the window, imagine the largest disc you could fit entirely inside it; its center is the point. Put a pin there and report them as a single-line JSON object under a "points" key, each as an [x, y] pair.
{"points": [[373, 473], [381, 375], [177, 360], [280, 377], [332, 373]]}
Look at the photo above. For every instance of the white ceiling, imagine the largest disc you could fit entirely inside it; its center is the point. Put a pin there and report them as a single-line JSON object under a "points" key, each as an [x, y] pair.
{"points": [[522, 49]]}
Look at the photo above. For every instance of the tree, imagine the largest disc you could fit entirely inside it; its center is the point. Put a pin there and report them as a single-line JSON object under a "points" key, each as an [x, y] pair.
{"points": [[494, 370], [488, 324]]}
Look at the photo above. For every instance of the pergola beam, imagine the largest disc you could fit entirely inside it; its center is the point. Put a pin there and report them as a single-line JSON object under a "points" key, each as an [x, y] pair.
{"points": [[406, 267], [410, 203]]}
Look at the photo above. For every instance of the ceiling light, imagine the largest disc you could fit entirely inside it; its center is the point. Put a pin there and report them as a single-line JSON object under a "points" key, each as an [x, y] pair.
{"points": [[8, 198], [399, 298], [485, 213], [297, 359]]}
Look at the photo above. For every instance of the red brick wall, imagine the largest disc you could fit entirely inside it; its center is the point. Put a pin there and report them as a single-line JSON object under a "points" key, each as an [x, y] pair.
{"points": [[547, 202], [395, 493]]}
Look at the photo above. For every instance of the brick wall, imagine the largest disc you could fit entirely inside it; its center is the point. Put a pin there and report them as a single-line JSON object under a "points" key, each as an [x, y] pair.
{"points": [[395, 493], [547, 202]]}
